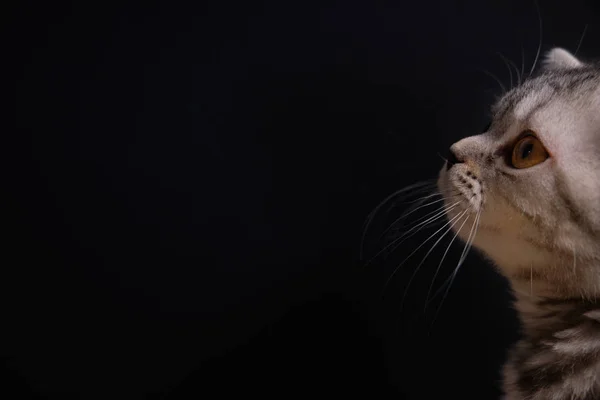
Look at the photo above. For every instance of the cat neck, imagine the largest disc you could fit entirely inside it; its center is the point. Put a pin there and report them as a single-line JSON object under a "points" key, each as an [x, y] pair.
{"points": [[558, 354], [544, 316], [557, 282]]}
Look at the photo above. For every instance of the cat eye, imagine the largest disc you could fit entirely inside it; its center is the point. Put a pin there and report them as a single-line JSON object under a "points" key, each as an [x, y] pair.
{"points": [[527, 152]]}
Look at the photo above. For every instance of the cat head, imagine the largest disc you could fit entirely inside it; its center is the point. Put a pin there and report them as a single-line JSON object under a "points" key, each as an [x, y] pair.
{"points": [[530, 185]]}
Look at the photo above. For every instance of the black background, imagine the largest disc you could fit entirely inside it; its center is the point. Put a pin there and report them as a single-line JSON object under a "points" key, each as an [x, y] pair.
{"points": [[187, 185]]}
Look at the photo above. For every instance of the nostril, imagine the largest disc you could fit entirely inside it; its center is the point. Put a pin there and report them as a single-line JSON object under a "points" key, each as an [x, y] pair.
{"points": [[451, 159]]}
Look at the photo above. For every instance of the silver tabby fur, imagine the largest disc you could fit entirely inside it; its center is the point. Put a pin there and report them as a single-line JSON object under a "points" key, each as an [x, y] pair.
{"points": [[541, 225]]}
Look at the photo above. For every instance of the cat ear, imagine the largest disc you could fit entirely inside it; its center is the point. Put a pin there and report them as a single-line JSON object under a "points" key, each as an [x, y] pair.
{"points": [[558, 58]]}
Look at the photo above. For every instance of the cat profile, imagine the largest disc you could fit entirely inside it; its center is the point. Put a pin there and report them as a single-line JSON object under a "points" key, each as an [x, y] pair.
{"points": [[529, 189]]}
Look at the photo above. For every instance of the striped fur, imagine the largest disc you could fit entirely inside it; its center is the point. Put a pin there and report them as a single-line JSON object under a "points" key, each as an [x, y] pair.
{"points": [[559, 355]]}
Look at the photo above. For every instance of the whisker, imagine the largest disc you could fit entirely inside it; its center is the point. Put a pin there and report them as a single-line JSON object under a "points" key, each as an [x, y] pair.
{"points": [[581, 39], [530, 280], [414, 251], [496, 79], [439, 212], [471, 239], [522, 61], [459, 261], [414, 209], [432, 189], [415, 188], [420, 205], [463, 256], [427, 255], [519, 76], [539, 14], [420, 200], [442, 261], [398, 241], [507, 66], [371, 216], [429, 213], [428, 191]]}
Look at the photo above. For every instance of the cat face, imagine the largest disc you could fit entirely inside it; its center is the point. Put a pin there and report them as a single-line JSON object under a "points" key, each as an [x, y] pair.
{"points": [[531, 182]]}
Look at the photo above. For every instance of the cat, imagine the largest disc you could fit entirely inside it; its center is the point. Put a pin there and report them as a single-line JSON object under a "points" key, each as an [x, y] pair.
{"points": [[529, 191]]}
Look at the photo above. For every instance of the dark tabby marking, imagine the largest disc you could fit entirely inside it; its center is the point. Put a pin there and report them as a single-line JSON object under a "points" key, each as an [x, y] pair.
{"points": [[559, 357]]}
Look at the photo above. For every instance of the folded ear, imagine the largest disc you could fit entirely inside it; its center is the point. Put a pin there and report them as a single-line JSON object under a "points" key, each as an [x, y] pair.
{"points": [[558, 58]]}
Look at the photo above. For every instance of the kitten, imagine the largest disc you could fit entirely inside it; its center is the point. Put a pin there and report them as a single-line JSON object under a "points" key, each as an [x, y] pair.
{"points": [[530, 186]]}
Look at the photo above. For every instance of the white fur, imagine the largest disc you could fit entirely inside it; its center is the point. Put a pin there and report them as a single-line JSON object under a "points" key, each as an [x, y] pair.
{"points": [[558, 58]]}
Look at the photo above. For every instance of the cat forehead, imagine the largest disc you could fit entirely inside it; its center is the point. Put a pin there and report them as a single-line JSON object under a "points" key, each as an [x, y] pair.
{"points": [[533, 94]]}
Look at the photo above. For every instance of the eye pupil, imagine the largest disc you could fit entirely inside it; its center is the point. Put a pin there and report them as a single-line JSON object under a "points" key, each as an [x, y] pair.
{"points": [[527, 149]]}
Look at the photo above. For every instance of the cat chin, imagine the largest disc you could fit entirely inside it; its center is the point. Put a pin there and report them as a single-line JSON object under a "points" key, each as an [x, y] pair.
{"points": [[549, 273], [508, 252]]}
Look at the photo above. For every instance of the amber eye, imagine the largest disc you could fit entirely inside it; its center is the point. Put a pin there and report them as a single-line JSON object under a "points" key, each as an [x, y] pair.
{"points": [[527, 152]]}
